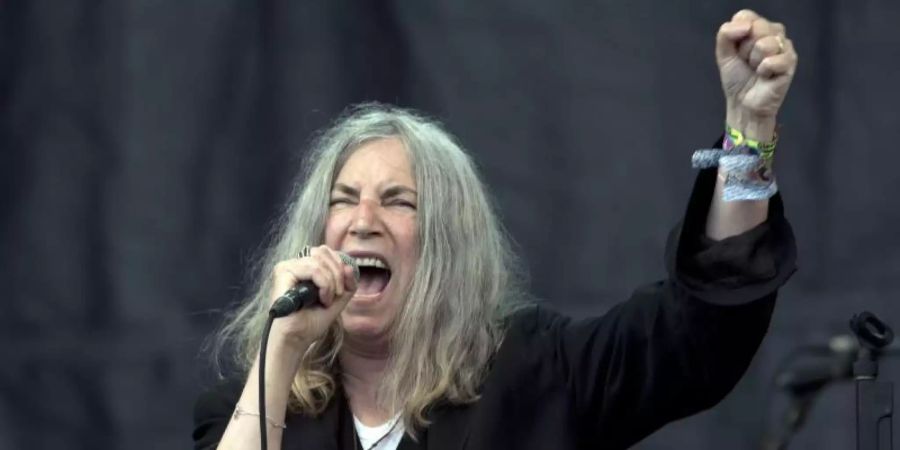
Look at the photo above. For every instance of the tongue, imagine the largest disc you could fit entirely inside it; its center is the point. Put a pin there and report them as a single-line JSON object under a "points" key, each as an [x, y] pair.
{"points": [[372, 281]]}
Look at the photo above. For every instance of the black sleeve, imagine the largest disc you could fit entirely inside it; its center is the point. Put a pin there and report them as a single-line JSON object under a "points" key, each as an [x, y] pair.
{"points": [[212, 412], [680, 345]]}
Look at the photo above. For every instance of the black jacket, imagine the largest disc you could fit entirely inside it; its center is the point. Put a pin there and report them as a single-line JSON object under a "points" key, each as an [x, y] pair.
{"points": [[674, 348]]}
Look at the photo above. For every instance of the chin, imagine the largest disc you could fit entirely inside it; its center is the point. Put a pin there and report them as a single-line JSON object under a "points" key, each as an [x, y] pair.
{"points": [[363, 326]]}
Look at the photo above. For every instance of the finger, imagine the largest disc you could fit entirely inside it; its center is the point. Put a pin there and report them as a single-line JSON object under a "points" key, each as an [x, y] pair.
{"points": [[760, 28], [343, 283], [730, 33], [324, 280], [778, 27], [349, 277], [340, 269], [285, 275], [350, 280], [289, 273], [327, 259], [745, 15], [764, 48], [781, 64], [340, 302]]}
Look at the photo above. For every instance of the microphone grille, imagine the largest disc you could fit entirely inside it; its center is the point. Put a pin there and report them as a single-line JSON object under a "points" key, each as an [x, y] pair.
{"points": [[348, 260], [843, 343]]}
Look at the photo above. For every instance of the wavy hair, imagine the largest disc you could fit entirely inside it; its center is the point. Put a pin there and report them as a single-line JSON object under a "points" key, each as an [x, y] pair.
{"points": [[466, 284]]}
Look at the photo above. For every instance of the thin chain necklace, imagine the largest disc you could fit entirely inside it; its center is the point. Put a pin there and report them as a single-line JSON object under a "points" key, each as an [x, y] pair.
{"points": [[357, 444]]}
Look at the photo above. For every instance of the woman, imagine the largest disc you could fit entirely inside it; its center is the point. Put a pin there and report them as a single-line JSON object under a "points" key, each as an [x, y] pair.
{"points": [[433, 347]]}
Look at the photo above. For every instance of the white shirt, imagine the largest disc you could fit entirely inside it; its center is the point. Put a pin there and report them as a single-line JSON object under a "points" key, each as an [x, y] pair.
{"points": [[368, 435]]}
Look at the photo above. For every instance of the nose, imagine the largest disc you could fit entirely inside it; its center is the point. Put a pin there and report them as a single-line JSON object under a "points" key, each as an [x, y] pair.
{"points": [[365, 219]]}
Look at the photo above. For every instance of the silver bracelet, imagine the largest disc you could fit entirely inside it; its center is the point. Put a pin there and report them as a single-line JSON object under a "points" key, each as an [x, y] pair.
{"points": [[238, 412], [745, 174]]}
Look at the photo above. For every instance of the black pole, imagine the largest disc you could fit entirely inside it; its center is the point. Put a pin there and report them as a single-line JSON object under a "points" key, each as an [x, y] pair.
{"points": [[874, 399]]}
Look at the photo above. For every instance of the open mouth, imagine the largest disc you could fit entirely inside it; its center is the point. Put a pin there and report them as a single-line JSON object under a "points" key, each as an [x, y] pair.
{"points": [[374, 276]]}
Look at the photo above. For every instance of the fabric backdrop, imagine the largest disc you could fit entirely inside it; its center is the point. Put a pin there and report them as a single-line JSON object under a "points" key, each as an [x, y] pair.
{"points": [[148, 146]]}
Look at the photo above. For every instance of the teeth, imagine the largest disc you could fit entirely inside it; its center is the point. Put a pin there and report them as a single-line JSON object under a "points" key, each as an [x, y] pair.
{"points": [[371, 262]]}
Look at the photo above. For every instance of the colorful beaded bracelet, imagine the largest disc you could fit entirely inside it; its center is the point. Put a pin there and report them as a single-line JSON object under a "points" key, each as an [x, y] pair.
{"points": [[745, 163]]}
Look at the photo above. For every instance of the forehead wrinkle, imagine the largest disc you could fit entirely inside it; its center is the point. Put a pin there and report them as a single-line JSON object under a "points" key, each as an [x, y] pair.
{"points": [[398, 189], [338, 186], [392, 190], [377, 160]]}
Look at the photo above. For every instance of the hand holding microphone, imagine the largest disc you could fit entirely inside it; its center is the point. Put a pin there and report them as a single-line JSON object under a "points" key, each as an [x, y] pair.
{"points": [[309, 292]]}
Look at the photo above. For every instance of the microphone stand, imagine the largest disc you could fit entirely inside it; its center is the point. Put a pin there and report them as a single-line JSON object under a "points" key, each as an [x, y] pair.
{"points": [[874, 399], [792, 421]]}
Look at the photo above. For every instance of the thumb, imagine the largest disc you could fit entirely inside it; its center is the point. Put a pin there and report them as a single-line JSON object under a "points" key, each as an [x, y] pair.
{"points": [[350, 285], [730, 34]]}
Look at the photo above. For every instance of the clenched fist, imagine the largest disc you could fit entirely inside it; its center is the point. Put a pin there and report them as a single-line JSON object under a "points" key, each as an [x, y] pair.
{"points": [[756, 63], [336, 283]]}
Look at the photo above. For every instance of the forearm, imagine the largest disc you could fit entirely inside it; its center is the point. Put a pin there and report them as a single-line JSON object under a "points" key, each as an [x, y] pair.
{"points": [[732, 218], [282, 363]]}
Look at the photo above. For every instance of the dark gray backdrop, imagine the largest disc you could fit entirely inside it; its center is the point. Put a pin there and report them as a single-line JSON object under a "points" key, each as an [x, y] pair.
{"points": [[148, 144]]}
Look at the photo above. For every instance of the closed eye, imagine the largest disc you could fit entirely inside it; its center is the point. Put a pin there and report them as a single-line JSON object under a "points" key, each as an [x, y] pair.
{"points": [[404, 203], [339, 201]]}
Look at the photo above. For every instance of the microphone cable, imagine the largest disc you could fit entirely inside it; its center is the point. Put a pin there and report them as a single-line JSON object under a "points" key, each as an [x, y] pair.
{"points": [[296, 298], [263, 429]]}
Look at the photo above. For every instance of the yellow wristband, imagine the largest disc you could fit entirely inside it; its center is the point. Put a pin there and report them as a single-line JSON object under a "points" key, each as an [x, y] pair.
{"points": [[766, 149]]}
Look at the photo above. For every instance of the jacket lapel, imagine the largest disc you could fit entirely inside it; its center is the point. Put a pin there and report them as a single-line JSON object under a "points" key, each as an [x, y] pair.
{"points": [[319, 433], [449, 429]]}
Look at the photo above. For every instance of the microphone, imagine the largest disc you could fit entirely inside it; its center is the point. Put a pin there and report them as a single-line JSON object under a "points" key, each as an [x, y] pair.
{"points": [[305, 293], [838, 354], [810, 378]]}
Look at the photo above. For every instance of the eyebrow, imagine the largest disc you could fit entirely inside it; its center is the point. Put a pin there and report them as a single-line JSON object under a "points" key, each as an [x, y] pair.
{"points": [[392, 191]]}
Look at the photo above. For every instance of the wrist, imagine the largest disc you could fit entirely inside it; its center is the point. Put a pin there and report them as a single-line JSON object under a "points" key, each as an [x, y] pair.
{"points": [[288, 347], [288, 340], [759, 128], [283, 356]]}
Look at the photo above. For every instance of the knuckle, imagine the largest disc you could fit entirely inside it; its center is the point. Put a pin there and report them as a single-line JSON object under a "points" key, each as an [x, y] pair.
{"points": [[279, 267], [324, 254], [321, 251], [743, 13]]}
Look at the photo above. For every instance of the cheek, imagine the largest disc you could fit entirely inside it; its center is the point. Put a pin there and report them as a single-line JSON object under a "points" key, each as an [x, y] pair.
{"points": [[410, 249], [333, 232], [408, 238]]}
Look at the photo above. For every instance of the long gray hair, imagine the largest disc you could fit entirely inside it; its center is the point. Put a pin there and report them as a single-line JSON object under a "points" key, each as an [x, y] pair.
{"points": [[465, 286]]}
